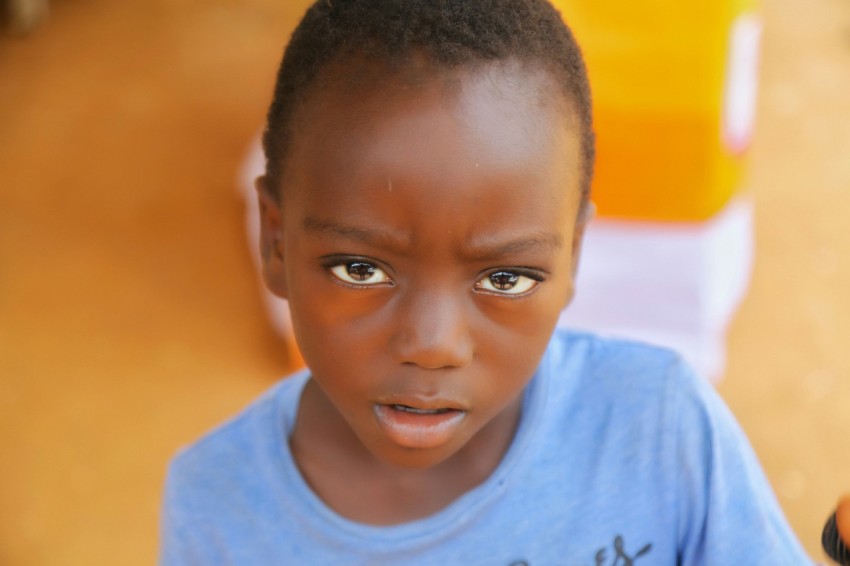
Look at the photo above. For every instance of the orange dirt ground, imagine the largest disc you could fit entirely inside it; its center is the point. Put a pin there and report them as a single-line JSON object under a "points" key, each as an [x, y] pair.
{"points": [[129, 315]]}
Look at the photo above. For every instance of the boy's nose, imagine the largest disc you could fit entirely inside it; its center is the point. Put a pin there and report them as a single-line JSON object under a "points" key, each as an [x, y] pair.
{"points": [[432, 331]]}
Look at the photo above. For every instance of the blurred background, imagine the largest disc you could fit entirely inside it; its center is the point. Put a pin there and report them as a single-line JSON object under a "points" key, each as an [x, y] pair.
{"points": [[131, 319]]}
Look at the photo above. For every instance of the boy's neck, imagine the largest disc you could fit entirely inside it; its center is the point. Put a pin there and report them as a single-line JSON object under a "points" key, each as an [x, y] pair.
{"points": [[363, 488]]}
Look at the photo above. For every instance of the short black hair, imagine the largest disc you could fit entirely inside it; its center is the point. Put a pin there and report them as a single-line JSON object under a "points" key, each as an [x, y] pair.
{"points": [[448, 33]]}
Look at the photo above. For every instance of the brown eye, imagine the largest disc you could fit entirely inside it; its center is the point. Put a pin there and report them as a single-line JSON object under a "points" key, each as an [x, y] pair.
{"points": [[360, 271], [504, 281], [509, 283]]}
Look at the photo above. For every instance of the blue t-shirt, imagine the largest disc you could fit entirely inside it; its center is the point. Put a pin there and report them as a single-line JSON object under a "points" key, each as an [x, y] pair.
{"points": [[622, 457]]}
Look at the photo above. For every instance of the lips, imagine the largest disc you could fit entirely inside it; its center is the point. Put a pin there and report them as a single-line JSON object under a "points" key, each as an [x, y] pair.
{"points": [[416, 411], [419, 425]]}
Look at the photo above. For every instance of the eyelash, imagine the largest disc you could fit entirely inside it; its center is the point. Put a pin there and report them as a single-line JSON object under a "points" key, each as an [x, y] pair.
{"points": [[340, 269], [534, 277]]}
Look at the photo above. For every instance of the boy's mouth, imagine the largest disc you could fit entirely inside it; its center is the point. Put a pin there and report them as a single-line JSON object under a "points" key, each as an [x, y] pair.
{"points": [[416, 411], [415, 427]]}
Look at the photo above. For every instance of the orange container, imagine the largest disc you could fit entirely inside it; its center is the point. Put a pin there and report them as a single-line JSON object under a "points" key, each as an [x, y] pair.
{"points": [[674, 87]]}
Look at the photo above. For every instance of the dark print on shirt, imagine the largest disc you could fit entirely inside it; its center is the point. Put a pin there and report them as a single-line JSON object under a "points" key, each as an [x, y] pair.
{"points": [[614, 556], [619, 556]]}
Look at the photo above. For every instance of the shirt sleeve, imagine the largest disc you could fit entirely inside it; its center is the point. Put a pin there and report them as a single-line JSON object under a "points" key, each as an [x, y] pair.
{"points": [[173, 547], [180, 544], [727, 512]]}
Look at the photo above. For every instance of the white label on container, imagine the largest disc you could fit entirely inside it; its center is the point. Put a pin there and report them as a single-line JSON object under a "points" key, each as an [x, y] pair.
{"points": [[741, 90]]}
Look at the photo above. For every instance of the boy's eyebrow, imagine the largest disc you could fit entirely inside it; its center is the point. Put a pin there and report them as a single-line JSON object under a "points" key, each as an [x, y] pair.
{"points": [[362, 234], [491, 250], [483, 249]]}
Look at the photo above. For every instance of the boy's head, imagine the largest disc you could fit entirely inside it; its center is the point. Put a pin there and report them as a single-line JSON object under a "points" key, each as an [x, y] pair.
{"points": [[428, 167], [445, 34]]}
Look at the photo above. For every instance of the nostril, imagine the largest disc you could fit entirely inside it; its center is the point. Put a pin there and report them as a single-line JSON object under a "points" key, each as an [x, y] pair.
{"points": [[432, 355]]}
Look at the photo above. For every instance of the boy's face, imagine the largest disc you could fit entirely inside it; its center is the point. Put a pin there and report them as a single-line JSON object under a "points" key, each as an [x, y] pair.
{"points": [[427, 242]]}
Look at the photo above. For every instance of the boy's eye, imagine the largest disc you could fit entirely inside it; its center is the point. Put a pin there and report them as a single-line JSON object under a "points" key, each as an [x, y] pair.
{"points": [[360, 273], [507, 283]]}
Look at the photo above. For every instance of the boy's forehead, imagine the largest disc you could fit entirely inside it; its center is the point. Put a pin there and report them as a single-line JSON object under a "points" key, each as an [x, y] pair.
{"points": [[455, 166], [514, 105]]}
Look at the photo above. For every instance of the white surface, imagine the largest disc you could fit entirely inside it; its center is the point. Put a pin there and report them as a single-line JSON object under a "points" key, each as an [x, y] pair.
{"points": [[676, 285], [741, 89]]}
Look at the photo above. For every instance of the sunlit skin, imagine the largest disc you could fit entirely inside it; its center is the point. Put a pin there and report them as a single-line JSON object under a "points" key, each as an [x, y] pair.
{"points": [[427, 239]]}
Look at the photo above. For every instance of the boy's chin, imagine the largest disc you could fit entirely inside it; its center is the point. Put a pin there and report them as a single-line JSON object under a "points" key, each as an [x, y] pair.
{"points": [[415, 458]]}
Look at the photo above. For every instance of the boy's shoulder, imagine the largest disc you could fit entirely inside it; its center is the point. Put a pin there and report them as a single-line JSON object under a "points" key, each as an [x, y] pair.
{"points": [[604, 382], [611, 350], [253, 435], [609, 362]]}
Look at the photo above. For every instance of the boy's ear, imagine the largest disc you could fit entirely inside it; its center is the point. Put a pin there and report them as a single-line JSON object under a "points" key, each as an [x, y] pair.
{"points": [[584, 218], [271, 238]]}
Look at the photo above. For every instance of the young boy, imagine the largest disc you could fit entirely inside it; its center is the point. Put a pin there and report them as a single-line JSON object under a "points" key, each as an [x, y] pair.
{"points": [[428, 170]]}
